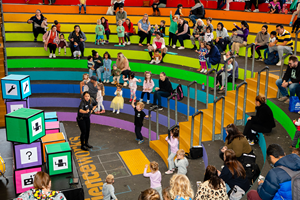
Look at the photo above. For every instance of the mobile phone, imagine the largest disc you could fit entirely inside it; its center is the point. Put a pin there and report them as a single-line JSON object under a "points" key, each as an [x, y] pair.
{"points": [[198, 183], [73, 181]]}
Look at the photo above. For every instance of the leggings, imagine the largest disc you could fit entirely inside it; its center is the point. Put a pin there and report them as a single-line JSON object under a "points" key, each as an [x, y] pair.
{"points": [[203, 65], [258, 48], [296, 25], [132, 93], [100, 106], [121, 40], [107, 32], [171, 40], [52, 47], [65, 48], [155, 7], [148, 95]]}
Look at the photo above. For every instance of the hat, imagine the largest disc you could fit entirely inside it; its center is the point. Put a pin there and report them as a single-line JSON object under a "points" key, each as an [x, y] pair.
{"points": [[94, 78], [114, 65]]}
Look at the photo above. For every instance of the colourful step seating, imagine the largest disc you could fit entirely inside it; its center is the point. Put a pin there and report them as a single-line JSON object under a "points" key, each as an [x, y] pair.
{"points": [[161, 147]]}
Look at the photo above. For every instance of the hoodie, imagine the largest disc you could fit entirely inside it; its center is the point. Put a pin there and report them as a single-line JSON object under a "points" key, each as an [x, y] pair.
{"points": [[292, 73], [165, 86], [182, 165]]}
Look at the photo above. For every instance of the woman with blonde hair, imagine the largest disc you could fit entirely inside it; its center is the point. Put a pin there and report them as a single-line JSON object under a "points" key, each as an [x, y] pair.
{"points": [[180, 188], [144, 30], [198, 33], [123, 64], [149, 194]]}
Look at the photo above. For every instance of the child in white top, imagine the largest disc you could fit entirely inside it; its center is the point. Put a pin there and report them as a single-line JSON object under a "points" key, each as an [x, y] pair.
{"points": [[132, 85], [99, 99], [173, 142], [83, 86], [108, 189], [155, 177], [44, 24], [209, 36], [147, 86]]}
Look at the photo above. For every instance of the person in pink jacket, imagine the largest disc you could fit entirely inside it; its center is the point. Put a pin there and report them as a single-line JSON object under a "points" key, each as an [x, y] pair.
{"points": [[51, 40], [132, 85], [147, 86], [173, 142]]}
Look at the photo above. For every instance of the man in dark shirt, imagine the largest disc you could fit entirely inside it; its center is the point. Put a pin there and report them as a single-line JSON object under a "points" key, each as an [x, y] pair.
{"points": [[138, 120], [93, 88]]}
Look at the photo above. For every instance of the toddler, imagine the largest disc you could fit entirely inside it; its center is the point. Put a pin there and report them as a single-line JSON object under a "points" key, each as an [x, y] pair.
{"points": [[100, 31], [90, 63], [297, 134], [108, 189], [202, 51], [57, 26], [147, 86], [99, 99], [116, 74], [179, 10], [107, 67], [180, 188], [44, 24], [120, 32], [156, 57], [155, 177], [118, 101], [208, 21], [173, 142], [274, 7], [272, 39], [229, 68], [173, 29], [132, 85], [138, 120], [166, 194], [209, 36], [162, 28], [77, 52], [83, 86], [62, 43], [181, 162]]}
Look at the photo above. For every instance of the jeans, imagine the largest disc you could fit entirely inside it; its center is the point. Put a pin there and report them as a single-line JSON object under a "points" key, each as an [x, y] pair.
{"points": [[291, 87], [107, 32], [171, 161], [98, 71], [158, 95], [208, 63], [127, 37], [296, 137], [193, 18], [106, 75], [84, 126], [137, 130], [281, 50], [229, 45], [84, 7]]}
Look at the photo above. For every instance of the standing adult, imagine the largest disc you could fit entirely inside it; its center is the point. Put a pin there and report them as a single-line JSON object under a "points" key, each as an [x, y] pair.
{"points": [[128, 25], [164, 90], [92, 86], [290, 80], [261, 41], [77, 36], [36, 21], [158, 43], [51, 40], [197, 11], [183, 32], [123, 64], [116, 4], [198, 33], [245, 32], [121, 14], [144, 30], [86, 107], [213, 57], [98, 65], [283, 43], [262, 122], [222, 37], [104, 22]]}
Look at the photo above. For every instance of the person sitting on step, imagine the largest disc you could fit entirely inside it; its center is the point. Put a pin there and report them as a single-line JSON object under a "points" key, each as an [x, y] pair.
{"points": [[158, 44]]}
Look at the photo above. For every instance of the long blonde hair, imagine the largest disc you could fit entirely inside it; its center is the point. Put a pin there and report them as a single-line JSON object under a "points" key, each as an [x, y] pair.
{"points": [[101, 88], [180, 186], [121, 61]]}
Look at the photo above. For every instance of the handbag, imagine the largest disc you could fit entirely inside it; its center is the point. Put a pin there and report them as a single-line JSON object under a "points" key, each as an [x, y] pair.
{"points": [[110, 10], [195, 152], [146, 3], [294, 104]]}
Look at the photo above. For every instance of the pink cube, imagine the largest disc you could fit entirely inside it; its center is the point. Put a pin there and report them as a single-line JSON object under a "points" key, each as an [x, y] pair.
{"points": [[52, 127]]}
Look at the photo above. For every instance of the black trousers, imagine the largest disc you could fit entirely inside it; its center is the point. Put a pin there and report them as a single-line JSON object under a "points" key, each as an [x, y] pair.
{"points": [[144, 35], [37, 31], [126, 73], [52, 47], [256, 127], [148, 95], [296, 25], [84, 124], [137, 130], [171, 38], [117, 5], [155, 8], [127, 37], [219, 79], [258, 48], [81, 47]]}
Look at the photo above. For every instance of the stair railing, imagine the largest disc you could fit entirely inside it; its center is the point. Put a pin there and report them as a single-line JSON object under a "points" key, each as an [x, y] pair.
{"points": [[169, 136], [266, 68], [296, 40], [157, 124], [246, 60], [192, 127], [226, 73], [242, 121], [188, 100], [220, 136], [207, 85], [4, 40], [169, 115]]}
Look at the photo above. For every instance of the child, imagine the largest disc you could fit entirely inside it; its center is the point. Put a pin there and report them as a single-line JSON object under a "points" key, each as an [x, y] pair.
{"points": [[100, 31], [274, 7], [180, 188], [132, 85], [272, 39], [156, 57], [147, 86], [155, 29], [297, 134], [296, 24], [223, 77], [166, 194], [209, 36], [44, 24], [120, 32], [90, 63], [181, 162], [155, 177], [62, 43], [173, 142], [57, 26], [108, 189], [77, 52], [99, 99], [202, 51], [173, 29], [179, 10], [116, 75], [83, 86], [118, 101], [162, 28], [208, 21], [107, 67], [138, 120], [82, 3]]}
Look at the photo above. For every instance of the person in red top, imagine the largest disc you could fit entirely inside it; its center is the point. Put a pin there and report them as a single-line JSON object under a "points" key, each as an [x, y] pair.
{"points": [[158, 43], [128, 25], [104, 22], [51, 40]]}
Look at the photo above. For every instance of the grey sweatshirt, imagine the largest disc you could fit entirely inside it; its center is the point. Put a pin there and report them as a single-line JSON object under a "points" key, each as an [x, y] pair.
{"points": [[120, 16], [108, 192], [223, 34], [182, 165], [262, 39]]}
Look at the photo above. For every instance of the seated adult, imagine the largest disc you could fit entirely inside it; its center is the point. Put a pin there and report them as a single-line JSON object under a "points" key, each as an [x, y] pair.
{"points": [[105, 24], [222, 38], [158, 4], [213, 187], [144, 30], [92, 85], [77, 36], [283, 43], [42, 188], [183, 33], [261, 41], [123, 64], [158, 43], [277, 184], [290, 80], [263, 121], [50, 40], [245, 32], [213, 57], [198, 33], [128, 25], [121, 14], [197, 11], [233, 173], [36, 21], [116, 4], [98, 65], [164, 90]]}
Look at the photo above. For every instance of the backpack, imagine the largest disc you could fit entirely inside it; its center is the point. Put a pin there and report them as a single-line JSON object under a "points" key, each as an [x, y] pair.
{"points": [[236, 193], [195, 152], [179, 92], [272, 59], [295, 181], [251, 168]]}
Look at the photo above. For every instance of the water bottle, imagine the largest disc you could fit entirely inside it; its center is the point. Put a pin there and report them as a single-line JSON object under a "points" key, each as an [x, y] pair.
{"points": [[203, 86]]}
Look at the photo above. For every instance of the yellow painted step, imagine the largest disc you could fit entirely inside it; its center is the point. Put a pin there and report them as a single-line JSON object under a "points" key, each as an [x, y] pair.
{"points": [[161, 148]]}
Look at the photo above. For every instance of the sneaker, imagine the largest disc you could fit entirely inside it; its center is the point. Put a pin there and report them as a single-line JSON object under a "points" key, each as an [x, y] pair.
{"points": [[160, 108], [279, 63], [287, 101], [128, 43], [291, 24], [247, 10], [141, 100], [130, 100], [107, 42], [118, 112], [98, 43], [124, 44], [205, 71], [169, 172], [119, 44], [35, 40], [137, 139], [256, 10], [157, 62], [148, 101], [113, 111], [153, 105], [53, 56], [251, 142], [174, 46], [141, 141], [283, 98], [152, 61], [180, 48], [113, 82], [125, 84], [102, 43], [226, 9], [202, 71], [50, 56]]}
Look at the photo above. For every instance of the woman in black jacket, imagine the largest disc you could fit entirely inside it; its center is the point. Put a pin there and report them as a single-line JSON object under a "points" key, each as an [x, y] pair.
{"points": [[77, 36], [263, 121], [36, 21], [164, 90]]}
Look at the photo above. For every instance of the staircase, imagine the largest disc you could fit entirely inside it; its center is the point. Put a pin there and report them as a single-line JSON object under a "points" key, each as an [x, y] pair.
{"points": [[161, 146]]}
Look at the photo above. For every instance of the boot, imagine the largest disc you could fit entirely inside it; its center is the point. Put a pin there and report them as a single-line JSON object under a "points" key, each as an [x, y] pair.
{"points": [[227, 7], [195, 47], [162, 55], [158, 13], [154, 14], [151, 54]]}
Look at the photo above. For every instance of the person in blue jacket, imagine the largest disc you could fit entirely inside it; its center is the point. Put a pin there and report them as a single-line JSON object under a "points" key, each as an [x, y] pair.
{"points": [[213, 56], [277, 184]]}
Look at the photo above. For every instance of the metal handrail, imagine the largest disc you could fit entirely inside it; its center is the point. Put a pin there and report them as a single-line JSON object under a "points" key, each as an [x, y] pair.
{"points": [[237, 100], [169, 117], [246, 60], [207, 85], [188, 101], [192, 127], [226, 73], [266, 68], [4, 40], [296, 40], [169, 136], [282, 63], [153, 108], [214, 118]]}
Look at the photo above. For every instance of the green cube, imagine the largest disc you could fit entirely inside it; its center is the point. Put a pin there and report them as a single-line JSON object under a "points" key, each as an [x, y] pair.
{"points": [[25, 125], [59, 158]]}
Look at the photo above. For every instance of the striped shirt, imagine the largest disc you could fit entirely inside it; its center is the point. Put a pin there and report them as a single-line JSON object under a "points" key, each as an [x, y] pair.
{"points": [[286, 36]]}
